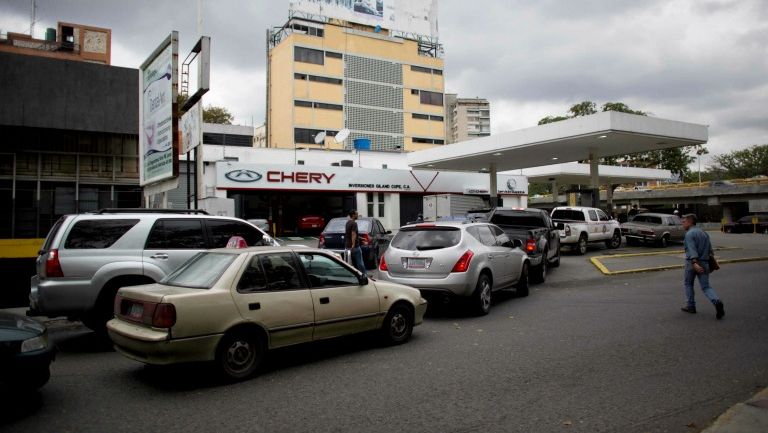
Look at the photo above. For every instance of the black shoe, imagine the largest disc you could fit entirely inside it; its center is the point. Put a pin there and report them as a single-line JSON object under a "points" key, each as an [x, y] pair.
{"points": [[720, 310], [691, 310]]}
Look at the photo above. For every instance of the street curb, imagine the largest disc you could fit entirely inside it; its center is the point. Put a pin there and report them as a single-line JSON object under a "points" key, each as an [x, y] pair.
{"points": [[603, 269], [747, 417]]}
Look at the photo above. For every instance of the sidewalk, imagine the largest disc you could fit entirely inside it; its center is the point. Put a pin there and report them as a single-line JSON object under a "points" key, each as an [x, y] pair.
{"points": [[748, 417]]}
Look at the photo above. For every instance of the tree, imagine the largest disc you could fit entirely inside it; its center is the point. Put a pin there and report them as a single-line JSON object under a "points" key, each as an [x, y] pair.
{"points": [[745, 163], [211, 113]]}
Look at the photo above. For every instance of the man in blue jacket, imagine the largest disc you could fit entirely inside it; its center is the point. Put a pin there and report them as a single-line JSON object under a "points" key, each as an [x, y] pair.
{"points": [[698, 248]]}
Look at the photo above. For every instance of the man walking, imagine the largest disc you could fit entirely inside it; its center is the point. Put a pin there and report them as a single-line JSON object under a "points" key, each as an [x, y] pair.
{"points": [[698, 248], [352, 242]]}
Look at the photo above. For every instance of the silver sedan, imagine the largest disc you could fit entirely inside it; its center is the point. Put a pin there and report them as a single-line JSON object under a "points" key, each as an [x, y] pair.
{"points": [[454, 259]]}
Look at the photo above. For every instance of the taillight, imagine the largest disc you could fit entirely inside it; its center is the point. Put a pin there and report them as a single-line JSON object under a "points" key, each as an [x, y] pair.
{"points": [[52, 265], [165, 316], [321, 241], [530, 245], [365, 239], [383, 264], [463, 264], [118, 302], [647, 232]]}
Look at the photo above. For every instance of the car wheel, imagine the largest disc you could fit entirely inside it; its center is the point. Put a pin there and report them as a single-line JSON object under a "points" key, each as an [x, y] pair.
{"points": [[481, 299], [540, 272], [664, 241], [397, 326], [239, 355], [581, 247], [615, 241], [522, 283]]}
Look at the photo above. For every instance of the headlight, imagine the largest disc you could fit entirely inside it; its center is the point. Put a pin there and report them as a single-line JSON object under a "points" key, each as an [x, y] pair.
{"points": [[35, 343]]}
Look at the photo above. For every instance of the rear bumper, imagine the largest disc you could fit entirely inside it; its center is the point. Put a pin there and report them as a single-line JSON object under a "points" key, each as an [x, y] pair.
{"points": [[455, 284], [60, 296], [155, 346], [643, 238]]}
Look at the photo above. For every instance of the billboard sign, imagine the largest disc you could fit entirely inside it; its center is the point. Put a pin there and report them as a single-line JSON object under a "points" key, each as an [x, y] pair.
{"points": [[191, 131], [409, 16], [157, 125]]}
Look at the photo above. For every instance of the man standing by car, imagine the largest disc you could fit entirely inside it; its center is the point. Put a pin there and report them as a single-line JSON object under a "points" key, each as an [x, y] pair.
{"points": [[352, 242], [698, 248]]}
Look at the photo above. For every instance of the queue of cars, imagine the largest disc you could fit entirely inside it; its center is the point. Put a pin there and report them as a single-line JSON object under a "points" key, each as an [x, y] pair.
{"points": [[172, 287]]}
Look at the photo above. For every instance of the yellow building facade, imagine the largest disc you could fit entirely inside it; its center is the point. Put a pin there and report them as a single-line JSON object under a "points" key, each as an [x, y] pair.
{"points": [[328, 76]]}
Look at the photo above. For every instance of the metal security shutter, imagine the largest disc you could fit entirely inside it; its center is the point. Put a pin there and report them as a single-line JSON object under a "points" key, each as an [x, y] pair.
{"points": [[378, 141], [363, 68], [375, 95]]}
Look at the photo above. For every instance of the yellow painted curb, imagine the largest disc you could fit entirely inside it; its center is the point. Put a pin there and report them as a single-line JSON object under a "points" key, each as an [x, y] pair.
{"points": [[20, 248], [660, 253], [602, 268]]}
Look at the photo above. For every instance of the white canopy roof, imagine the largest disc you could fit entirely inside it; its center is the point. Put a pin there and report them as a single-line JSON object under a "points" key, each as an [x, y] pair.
{"points": [[579, 174]]}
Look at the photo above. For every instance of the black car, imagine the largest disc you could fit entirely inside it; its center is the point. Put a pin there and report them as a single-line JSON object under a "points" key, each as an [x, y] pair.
{"points": [[745, 225], [25, 352], [374, 239]]}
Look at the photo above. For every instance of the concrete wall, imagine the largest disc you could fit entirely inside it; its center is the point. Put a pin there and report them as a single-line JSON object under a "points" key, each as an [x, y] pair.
{"points": [[72, 95]]}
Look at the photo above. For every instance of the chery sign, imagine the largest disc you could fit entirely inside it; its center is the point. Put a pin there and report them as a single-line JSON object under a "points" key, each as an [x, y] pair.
{"points": [[238, 175]]}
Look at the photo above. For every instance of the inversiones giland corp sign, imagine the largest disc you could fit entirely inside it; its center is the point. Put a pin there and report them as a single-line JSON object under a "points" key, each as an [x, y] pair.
{"points": [[237, 175]]}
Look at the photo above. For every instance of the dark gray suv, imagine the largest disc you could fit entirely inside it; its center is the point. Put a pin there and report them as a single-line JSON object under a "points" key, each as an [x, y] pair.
{"points": [[87, 257]]}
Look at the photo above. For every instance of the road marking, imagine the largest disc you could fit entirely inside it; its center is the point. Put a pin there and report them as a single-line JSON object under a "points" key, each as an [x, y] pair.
{"points": [[602, 268]]}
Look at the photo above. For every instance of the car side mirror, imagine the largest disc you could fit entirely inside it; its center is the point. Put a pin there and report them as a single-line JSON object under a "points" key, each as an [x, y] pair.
{"points": [[389, 232], [517, 243], [362, 279], [508, 244]]}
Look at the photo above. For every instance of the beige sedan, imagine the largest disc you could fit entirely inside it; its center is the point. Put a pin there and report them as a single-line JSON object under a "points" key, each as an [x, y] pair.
{"points": [[232, 305]]}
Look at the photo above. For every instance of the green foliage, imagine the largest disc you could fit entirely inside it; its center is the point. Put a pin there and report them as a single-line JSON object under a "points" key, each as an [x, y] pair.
{"points": [[622, 108], [552, 119], [584, 108], [211, 113], [741, 164]]}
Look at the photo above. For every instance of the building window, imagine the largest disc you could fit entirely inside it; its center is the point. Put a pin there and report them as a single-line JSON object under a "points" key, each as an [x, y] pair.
{"points": [[375, 204], [325, 80], [420, 69], [427, 140], [436, 118], [312, 31], [414, 91], [300, 162], [420, 116], [300, 76], [431, 98], [323, 106], [333, 55], [302, 104], [437, 72], [308, 55], [307, 136]]}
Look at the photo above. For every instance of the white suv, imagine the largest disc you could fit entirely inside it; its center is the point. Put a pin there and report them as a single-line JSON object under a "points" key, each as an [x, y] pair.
{"points": [[86, 258], [580, 226]]}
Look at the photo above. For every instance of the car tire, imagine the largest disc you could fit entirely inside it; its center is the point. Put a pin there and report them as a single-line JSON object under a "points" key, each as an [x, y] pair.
{"points": [[615, 240], [239, 354], [522, 286], [481, 298], [104, 310], [581, 246], [539, 273], [664, 241], [398, 325]]}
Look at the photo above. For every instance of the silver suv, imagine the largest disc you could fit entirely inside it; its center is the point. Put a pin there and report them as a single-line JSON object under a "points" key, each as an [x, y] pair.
{"points": [[87, 257], [454, 259]]}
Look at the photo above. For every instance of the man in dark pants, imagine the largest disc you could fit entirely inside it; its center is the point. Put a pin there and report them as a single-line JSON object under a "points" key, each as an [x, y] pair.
{"points": [[698, 248], [352, 242]]}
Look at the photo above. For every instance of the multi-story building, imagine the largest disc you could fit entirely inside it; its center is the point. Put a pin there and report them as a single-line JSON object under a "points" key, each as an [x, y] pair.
{"points": [[467, 118], [68, 42], [326, 75]]}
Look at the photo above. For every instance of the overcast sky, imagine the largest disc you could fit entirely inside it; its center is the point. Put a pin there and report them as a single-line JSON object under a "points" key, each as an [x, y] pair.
{"points": [[701, 61]]}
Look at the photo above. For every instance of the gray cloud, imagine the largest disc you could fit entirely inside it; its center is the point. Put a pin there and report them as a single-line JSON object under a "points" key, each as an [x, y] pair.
{"points": [[693, 60]]}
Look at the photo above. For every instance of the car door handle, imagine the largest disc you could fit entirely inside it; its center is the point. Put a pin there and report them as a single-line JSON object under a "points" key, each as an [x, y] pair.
{"points": [[490, 257], [325, 300], [254, 306], [159, 256]]}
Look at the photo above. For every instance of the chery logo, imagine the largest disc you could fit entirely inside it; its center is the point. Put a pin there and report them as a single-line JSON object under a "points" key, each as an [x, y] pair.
{"points": [[243, 176]]}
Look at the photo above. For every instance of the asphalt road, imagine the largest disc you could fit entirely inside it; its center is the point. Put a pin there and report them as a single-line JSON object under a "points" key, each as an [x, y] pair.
{"points": [[585, 354]]}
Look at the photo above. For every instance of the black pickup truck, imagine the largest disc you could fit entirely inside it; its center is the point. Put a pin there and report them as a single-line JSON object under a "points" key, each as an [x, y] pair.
{"points": [[535, 229]]}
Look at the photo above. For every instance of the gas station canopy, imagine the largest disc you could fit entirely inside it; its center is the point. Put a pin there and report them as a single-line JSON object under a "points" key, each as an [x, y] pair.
{"points": [[604, 134]]}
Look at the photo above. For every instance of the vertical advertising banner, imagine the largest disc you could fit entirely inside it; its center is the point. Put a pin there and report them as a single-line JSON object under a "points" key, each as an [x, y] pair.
{"points": [[191, 128], [156, 123]]}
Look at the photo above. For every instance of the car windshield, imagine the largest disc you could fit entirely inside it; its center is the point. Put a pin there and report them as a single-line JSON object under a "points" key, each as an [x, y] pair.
{"points": [[201, 271], [426, 238], [339, 225], [568, 214]]}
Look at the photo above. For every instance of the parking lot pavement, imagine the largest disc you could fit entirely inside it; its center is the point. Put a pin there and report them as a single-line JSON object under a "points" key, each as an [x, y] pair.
{"points": [[729, 248]]}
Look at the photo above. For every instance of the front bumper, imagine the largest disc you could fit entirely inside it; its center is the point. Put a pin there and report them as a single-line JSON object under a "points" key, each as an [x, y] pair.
{"points": [[30, 369], [156, 346], [421, 309], [455, 284]]}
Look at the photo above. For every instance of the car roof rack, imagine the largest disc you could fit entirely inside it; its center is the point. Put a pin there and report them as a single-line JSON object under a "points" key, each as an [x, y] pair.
{"points": [[149, 210]]}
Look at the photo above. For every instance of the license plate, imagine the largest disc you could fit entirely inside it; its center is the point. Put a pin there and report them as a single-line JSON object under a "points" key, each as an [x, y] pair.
{"points": [[417, 263], [136, 312]]}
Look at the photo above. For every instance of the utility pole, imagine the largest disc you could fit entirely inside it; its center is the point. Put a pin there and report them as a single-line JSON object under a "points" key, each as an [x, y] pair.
{"points": [[32, 21]]}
